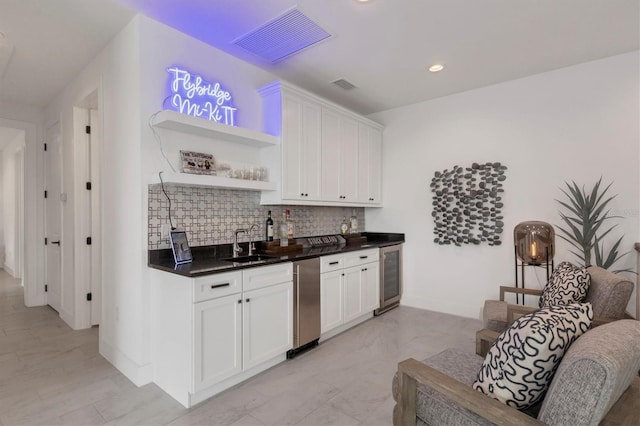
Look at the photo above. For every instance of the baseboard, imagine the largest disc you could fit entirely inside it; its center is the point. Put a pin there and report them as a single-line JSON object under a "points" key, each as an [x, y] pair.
{"points": [[140, 375], [443, 306]]}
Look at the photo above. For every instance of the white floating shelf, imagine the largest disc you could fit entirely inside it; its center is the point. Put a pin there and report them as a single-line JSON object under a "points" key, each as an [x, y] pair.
{"points": [[173, 120], [188, 179]]}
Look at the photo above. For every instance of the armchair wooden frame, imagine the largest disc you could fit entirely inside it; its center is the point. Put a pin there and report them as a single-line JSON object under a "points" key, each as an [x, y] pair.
{"points": [[412, 372]]}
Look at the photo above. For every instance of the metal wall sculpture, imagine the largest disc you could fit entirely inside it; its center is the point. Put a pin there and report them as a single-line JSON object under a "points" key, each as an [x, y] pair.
{"points": [[467, 204]]}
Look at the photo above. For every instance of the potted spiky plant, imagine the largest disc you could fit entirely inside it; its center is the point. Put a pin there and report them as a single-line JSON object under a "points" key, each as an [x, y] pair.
{"points": [[587, 222]]}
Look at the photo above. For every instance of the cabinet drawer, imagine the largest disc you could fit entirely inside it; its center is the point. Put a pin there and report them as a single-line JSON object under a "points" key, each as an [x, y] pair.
{"points": [[217, 285], [265, 276], [331, 263], [360, 257]]}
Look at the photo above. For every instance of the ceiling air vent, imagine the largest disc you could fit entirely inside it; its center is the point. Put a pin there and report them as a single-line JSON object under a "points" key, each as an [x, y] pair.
{"points": [[285, 35], [346, 85]]}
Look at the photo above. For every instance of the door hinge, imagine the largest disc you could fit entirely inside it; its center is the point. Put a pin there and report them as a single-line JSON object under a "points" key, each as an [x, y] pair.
{"points": [[87, 130], [88, 297], [88, 186], [45, 241], [45, 146], [45, 194], [46, 288], [88, 241]]}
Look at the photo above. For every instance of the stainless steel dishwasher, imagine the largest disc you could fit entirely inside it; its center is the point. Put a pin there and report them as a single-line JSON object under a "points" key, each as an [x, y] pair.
{"points": [[306, 305]]}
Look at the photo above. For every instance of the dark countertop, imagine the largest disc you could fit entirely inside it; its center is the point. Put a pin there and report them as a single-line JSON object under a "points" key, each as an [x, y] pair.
{"points": [[211, 259]]}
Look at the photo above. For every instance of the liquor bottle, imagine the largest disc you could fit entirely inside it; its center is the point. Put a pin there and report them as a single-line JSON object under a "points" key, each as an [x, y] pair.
{"points": [[344, 226], [284, 230], [269, 227], [289, 225], [353, 228]]}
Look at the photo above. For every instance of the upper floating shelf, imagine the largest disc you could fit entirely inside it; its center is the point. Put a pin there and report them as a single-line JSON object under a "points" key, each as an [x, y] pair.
{"points": [[173, 120], [212, 181]]}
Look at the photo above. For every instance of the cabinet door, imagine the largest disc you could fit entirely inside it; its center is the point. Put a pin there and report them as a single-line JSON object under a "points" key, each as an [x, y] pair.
{"points": [[301, 148], [331, 156], [339, 157], [312, 151], [369, 164], [267, 323], [349, 159], [370, 287], [217, 340], [375, 166], [352, 293], [331, 300]]}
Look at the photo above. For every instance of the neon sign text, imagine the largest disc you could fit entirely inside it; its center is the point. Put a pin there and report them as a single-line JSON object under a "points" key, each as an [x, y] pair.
{"points": [[192, 95]]}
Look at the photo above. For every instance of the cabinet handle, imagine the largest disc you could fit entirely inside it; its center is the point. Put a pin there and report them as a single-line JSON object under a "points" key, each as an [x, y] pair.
{"points": [[239, 301], [220, 285], [302, 194], [247, 300], [343, 275], [334, 263], [306, 195], [366, 269], [364, 257]]}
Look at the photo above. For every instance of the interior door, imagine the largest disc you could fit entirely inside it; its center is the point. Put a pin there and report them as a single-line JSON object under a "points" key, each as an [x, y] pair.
{"points": [[53, 157]]}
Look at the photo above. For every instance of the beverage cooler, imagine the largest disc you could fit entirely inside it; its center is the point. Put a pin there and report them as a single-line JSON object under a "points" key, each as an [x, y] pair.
{"points": [[390, 277]]}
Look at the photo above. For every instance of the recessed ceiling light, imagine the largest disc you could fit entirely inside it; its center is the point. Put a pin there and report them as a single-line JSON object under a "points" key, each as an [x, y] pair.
{"points": [[436, 67], [362, 1]]}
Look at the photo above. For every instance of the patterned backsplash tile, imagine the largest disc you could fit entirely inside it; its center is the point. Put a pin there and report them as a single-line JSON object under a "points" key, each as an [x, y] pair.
{"points": [[210, 215]]}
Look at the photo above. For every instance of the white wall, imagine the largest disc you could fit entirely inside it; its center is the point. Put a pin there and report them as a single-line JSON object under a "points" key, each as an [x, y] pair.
{"points": [[576, 123], [10, 196]]}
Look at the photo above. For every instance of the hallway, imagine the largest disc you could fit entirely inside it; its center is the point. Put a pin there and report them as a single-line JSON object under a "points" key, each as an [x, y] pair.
{"points": [[50, 374]]}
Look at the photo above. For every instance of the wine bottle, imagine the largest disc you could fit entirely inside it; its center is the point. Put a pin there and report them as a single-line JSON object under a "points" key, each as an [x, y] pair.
{"points": [[269, 227]]}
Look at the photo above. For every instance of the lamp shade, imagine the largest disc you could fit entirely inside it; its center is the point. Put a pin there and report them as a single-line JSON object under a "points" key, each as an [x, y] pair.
{"points": [[534, 242]]}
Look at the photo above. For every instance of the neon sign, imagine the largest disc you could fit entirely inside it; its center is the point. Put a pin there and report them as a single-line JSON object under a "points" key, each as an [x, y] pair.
{"points": [[192, 95]]}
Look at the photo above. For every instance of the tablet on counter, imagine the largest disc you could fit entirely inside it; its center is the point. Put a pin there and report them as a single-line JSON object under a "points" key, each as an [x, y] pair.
{"points": [[180, 247]]}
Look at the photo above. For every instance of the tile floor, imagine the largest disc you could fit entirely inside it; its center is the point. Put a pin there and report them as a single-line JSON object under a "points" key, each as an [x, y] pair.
{"points": [[52, 375]]}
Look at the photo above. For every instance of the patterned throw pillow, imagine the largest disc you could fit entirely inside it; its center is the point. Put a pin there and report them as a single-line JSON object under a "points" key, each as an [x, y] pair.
{"points": [[520, 365], [568, 284]]}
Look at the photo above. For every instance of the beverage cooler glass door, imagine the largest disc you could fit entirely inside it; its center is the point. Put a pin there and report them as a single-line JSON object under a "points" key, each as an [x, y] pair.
{"points": [[390, 277]]}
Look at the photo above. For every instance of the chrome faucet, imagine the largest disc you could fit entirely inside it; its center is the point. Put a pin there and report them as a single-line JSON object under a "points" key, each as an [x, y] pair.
{"points": [[249, 231], [236, 247]]}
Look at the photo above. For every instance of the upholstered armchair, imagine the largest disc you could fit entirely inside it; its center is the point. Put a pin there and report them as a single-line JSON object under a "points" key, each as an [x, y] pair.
{"points": [[595, 383], [608, 294]]}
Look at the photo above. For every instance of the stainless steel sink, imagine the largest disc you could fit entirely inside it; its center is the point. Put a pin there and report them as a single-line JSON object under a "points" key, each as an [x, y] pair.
{"points": [[252, 258]]}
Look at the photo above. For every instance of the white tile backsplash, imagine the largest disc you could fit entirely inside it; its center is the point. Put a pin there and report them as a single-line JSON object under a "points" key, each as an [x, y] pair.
{"points": [[210, 215]]}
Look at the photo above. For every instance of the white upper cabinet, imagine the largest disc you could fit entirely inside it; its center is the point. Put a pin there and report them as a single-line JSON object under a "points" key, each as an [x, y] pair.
{"points": [[301, 148], [318, 161], [369, 164], [339, 157]]}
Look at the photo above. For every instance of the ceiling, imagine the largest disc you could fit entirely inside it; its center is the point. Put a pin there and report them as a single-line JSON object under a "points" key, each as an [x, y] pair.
{"points": [[383, 47]]}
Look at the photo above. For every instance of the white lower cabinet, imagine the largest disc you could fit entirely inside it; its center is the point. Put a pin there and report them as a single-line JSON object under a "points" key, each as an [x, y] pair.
{"points": [[349, 288], [217, 340], [267, 324], [331, 296], [210, 333]]}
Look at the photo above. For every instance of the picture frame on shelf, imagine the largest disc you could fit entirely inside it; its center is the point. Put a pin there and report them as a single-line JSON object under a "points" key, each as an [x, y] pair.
{"points": [[198, 163]]}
